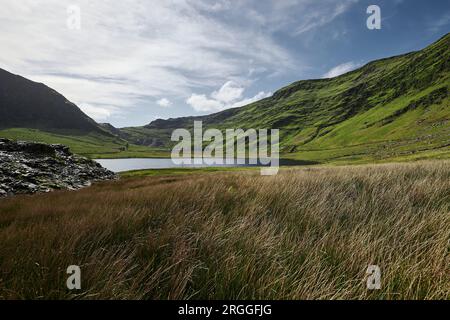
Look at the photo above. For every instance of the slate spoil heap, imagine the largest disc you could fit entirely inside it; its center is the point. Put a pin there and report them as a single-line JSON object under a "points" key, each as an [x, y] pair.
{"points": [[29, 167]]}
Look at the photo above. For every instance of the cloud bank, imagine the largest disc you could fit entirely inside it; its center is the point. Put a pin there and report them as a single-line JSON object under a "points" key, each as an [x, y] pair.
{"points": [[133, 52], [228, 96]]}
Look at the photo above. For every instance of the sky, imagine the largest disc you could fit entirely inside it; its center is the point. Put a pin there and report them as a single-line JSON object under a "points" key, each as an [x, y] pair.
{"points": [[130, 62]]}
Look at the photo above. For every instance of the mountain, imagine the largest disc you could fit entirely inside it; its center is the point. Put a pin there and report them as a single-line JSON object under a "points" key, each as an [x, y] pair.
{"points": [[28, 104], [388, 109], [32, 111], [110, 128]]}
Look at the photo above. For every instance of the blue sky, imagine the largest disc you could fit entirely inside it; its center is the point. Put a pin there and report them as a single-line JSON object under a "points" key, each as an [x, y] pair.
{"points": [[133, 61]]}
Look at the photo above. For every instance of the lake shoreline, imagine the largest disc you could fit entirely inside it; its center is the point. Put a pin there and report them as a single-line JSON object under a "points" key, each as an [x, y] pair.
{"points": [[132, 164]]}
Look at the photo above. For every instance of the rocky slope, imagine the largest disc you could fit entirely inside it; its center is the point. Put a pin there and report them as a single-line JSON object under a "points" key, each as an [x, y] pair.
{"points": [[27, 167]]}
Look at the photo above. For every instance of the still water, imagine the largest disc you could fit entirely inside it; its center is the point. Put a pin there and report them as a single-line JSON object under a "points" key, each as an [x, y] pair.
{"points": [[119, 165]]}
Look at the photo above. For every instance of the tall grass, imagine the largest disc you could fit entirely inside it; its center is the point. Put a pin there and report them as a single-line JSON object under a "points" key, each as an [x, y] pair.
{"points": [[303, 234]]}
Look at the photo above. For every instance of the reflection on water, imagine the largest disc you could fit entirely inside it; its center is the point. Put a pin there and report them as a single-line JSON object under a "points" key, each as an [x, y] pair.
{"points": [[120, 165]]}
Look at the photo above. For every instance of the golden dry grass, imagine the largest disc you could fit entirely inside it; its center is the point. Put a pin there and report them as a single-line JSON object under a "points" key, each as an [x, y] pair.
{"points": [[303, 234]]}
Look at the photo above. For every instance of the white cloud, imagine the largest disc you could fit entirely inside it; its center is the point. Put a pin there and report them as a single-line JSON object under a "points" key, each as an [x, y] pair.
{"points": [[165, 103], [230, 91], [132, 50], [257, 97], [203, 104], [341, 69], [96, 112], [228, 96], [322, 13]]}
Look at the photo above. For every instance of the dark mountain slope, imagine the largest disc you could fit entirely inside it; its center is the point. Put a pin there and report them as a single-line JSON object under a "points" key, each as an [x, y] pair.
{"points": [[32, 111], [28, 104]]}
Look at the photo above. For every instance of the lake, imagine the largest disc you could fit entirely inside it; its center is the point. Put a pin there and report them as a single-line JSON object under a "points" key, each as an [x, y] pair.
{"points": [[120, 165]]}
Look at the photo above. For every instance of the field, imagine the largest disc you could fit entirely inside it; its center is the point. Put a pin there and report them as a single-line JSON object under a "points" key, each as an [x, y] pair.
{"points": [[97, 146], [92, 145], [306, 233]]}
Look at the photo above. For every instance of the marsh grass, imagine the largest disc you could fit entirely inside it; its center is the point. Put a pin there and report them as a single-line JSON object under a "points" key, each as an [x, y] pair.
{"points": [[304, 234]]}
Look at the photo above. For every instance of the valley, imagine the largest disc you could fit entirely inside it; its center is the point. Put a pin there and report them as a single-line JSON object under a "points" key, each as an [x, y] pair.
{"points": [[334, 132], [393, 109]]}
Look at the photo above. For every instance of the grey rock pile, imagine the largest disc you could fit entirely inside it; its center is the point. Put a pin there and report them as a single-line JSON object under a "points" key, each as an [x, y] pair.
{"points": [[29, 167]]}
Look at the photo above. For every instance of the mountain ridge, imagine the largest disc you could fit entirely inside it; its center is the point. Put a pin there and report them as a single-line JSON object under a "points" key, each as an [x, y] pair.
{"points": [[32, 111], [345, 111], [30, 104], [279, 91], [391, 108]]}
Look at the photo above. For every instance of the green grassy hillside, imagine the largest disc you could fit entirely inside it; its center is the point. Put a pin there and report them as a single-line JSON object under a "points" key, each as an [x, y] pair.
{"points": [[391, 109], [92, 144]]}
